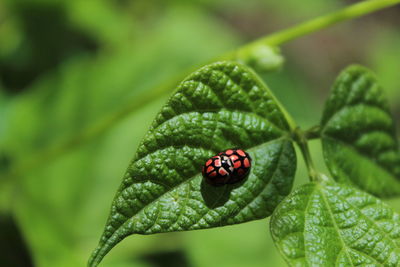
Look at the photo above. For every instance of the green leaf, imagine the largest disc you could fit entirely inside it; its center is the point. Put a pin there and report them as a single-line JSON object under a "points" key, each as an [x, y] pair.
{"points": [[336, 225], [220, 106], [358, 134]]}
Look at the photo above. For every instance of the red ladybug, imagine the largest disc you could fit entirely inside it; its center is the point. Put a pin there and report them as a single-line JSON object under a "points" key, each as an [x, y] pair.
{"points": [[228, 167]]}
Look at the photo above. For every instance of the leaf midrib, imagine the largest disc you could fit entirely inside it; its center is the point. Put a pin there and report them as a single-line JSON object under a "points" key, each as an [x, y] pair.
{"points": [[337, 229]]}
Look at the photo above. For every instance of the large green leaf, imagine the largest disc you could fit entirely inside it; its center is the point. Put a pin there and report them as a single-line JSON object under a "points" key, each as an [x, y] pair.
{"points": [[220, 106], [358, 134], [336, 225]]}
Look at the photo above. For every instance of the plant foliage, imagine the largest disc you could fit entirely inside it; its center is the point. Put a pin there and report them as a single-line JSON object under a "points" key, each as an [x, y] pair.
{"points": [[222, 105], [336, 225], [358, 134]]}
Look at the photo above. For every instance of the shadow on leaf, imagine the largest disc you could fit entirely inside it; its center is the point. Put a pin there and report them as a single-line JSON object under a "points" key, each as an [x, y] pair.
{"points": [[217, 196]]}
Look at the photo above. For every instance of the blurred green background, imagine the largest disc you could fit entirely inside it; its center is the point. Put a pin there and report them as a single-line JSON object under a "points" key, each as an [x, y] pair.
{"points": [[71, 65]]}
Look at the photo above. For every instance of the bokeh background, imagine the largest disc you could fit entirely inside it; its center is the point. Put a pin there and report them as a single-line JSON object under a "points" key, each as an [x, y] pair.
{"points": [[81, 80]]}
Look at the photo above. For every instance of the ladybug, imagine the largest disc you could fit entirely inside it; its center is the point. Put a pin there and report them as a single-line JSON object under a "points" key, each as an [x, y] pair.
{"points": [[217, 170], [241, 161], [228, 167]]}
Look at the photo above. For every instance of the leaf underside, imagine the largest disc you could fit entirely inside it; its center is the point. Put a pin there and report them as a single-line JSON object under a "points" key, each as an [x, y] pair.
{"points": [[358, 134], [223, 105], [336, 225]]}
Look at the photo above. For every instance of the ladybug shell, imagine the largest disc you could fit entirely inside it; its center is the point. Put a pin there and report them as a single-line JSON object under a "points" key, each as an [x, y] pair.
{"points": [[241, 161], [218, 170]]}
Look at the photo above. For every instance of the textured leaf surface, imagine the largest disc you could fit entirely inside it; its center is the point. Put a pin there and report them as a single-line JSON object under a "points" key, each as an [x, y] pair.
{"points": [[222, 105], [336, 225], [358, 134]]}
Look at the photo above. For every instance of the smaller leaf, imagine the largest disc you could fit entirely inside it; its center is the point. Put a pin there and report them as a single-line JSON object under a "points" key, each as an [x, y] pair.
{"points": [[336, 225], [358, 134]]}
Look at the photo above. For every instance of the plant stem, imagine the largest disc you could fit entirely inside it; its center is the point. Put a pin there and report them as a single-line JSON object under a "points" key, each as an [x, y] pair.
{"points": [[322, 22], [275, 39], [313, 133], [300, 138]]}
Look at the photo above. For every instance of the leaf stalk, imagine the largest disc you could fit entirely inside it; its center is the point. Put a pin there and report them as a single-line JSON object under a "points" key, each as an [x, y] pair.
{"points": [[313, 133], [301, 140], [320, 23]]}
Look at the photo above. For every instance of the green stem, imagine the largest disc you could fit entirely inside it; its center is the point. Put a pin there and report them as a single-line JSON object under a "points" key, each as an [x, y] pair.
{"points": [[300, 138], [274, 39], [322, 22], [313, 133]]}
